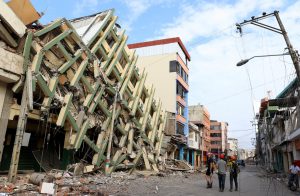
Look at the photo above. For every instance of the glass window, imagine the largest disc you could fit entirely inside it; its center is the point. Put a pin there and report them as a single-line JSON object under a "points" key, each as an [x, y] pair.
{"points": [[215, 135], [180, 129], [180, 109], [173, 66], [180, 90]]}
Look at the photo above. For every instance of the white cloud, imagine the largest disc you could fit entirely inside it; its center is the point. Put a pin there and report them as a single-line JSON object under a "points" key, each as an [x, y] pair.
{"points": [[206, 19], [82, 5], [138, 7]]}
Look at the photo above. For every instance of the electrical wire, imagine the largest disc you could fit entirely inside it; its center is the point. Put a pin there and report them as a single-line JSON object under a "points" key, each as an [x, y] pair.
{"points": [[241, 92], [239, 130]]}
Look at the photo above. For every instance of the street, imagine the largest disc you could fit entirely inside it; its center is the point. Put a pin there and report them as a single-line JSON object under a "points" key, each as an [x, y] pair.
{"points": [[252, 182]]}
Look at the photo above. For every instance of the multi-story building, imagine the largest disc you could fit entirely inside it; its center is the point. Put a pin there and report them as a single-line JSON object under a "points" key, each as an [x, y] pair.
{"points": [[218, 137], [194, 145], [232, 147], [166, 64], [244, 154], [278, 135], [200, 116]]}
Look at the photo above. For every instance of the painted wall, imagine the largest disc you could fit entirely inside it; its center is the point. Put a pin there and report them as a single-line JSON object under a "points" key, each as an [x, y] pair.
{"points": [[164, 81]]}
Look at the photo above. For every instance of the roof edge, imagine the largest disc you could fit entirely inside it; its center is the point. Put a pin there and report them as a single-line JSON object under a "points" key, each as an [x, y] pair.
{"points": [[161, 42]]}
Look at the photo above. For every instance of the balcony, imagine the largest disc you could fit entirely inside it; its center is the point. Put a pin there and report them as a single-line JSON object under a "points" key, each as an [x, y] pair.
{"points": [[193, 144], [182, 82], [181, 100], [215, 139], [215, 131], [180, 119], [183, 65]]}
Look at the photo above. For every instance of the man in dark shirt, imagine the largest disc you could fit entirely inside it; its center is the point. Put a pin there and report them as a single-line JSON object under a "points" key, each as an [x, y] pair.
{"points": [[234, 170], [210, 170]]}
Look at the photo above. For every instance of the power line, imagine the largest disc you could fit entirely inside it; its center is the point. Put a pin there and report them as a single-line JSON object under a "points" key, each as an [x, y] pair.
{"points": [[239, 130], [243, 91]]}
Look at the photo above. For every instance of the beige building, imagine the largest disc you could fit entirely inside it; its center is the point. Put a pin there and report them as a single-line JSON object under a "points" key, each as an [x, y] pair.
{"points": [[166, 63], [199, 115]]}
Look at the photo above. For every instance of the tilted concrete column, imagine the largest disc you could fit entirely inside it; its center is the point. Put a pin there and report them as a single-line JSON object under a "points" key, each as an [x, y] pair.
{"points": [[5, 103]]}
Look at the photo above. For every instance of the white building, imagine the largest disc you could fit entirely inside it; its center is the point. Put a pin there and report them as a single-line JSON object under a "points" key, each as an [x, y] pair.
{"points": [[232, 147]]}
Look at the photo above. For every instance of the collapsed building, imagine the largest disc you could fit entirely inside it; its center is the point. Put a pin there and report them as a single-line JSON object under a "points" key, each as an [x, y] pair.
{"points": [[71, 92]]}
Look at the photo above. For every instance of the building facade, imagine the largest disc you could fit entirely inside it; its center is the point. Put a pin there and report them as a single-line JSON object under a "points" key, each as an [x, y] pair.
{"points": [[218, 137], [199, 115], [194, 142], [166, 63], [278, 136], [232, 147], [244, 154]]}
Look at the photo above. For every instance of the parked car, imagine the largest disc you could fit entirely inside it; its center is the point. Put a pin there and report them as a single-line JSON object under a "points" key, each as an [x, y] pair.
{"points": [[241, 162]]}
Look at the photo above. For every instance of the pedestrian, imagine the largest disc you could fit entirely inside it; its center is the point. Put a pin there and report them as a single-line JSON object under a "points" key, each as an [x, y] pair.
{"points": [[222, 167], [209, 170], [234, 170], [293, 176]]}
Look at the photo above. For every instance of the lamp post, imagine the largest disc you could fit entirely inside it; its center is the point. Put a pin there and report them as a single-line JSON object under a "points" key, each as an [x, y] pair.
{"points": [[244, 61], [281, 30]]}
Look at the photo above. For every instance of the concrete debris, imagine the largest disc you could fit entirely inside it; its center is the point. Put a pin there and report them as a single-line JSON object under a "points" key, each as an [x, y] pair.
{"points": [[38, 178], [178, 165], [48, 188], [76, 185]]}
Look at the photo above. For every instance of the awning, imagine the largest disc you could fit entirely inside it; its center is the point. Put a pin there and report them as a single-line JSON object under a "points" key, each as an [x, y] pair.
{"points": [[283, 102]]}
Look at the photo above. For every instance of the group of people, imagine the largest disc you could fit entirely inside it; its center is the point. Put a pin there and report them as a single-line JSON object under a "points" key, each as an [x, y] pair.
{"points": [[221, 165]]}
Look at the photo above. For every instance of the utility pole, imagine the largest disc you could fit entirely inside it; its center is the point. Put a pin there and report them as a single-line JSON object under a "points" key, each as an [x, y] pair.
{"points": [[281, 30], [202, 144]]}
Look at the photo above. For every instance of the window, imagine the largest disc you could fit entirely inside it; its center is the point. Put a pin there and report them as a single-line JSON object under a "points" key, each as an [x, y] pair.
{"points": [[216, 142], [180, 90], [176, 67], [215, 135], [173, 66], [180, 129], [180, 109], [215, 127]]}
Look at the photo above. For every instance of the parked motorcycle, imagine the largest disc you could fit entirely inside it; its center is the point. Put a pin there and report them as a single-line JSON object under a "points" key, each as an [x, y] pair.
{"points": [[292, 184]]}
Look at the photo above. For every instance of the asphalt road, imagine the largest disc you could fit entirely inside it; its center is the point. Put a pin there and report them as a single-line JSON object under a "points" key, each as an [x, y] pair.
{"points": [[252, 182]]}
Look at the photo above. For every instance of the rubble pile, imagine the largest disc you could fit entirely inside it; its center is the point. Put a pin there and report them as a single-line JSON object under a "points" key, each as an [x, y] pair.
{"points": [[66, 184], [79, 76], [178, 165]]}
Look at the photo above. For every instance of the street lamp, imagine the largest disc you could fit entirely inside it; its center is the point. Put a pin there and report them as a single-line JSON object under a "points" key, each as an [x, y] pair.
{"points": [[242, 62]]}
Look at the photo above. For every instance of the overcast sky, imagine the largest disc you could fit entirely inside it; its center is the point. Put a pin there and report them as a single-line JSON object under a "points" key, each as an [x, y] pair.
{"points": [[207, 28]]}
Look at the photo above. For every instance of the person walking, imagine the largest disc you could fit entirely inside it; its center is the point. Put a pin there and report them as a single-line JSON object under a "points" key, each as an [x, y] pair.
{"points": [[293, 176], [234, 170], [222, 167], [209, 170]]}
